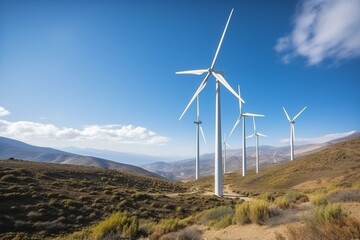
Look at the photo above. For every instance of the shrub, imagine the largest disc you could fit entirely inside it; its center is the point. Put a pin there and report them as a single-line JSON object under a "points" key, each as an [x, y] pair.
{"points": [[344, 195], [242, 212], [259, 211], [213, 216], [343, 228], [292, 196], [325, 213], [118, 223], [268, 197], [282, 202], [318, 199]]}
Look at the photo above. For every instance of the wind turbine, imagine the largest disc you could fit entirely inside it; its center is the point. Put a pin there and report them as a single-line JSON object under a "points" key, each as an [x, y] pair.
{"points": [[243, 116], [256, 134], [292, 131], [274, 156], [225, 144], [198, 129], [219, 79]]}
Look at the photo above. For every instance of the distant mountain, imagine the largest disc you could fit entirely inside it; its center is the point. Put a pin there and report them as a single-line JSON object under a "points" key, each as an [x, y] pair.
{"points": [[185, 169], [123, 157], [10, 148]]}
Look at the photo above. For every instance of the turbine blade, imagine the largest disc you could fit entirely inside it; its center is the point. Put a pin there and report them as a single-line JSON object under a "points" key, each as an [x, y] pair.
{"points": [[195, 72], [253, 115], [221, 40], [287, 115], [201, 87], [254, 124], [222, 80], [203, 135], [250, 136], [299, 113], [236, 123], [241, 101], [228, 145], [260, 134]]}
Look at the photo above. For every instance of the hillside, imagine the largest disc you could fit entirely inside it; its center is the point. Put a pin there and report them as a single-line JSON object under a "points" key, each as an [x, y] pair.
{"points": [[336, 164], [39, 200], [10, 148]]}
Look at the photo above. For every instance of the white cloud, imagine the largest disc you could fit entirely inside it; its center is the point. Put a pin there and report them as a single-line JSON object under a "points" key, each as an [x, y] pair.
{"points": [[320, 139], [114, 134], [3, 112], [323, 29]]}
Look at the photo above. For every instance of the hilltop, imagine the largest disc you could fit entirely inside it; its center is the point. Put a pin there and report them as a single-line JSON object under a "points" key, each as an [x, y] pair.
{"points": [[336, 164]]}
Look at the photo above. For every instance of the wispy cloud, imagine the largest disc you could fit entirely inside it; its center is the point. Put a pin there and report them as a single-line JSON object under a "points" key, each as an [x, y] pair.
{"points": [[120, 134], [323, 29], [3, 112], [320, 139]]}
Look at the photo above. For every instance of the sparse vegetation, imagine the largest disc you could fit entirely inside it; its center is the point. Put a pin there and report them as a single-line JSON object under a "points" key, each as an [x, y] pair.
{"points": [[40, 201], [218, 217]]}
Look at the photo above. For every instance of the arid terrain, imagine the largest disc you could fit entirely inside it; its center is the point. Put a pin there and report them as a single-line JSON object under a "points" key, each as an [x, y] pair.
{"points": [[317, 194]]}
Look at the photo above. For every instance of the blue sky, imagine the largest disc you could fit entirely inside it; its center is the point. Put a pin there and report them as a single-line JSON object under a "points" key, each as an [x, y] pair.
{"points": [[101, 74]]}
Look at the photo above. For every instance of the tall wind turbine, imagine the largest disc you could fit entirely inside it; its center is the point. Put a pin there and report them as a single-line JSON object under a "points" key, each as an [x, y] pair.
{"points": [[219, 78], [198, 129], [256, 134], [225, 144], [243, 116], [292, 131]]}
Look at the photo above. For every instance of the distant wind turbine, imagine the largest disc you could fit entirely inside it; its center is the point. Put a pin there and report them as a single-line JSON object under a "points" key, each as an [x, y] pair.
{"points": [[225, 144], [292, 131], [198, 129], [256, 134], [243, 116], [219, 79], [274, 157]]}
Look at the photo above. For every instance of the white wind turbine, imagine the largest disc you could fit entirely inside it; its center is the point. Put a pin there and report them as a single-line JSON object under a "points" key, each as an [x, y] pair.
{"points": [[256, 134], [292, 131], [219, 79], [225, 144], [243, 116], [198, 129]]}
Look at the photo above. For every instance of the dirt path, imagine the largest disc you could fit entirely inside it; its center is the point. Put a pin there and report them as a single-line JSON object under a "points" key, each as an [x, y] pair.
{"points": [[243, 232]]}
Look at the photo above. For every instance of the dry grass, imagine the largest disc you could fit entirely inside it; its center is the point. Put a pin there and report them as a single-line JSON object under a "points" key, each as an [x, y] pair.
{"points": [[339, 162], [341, 229], [42, 200]]}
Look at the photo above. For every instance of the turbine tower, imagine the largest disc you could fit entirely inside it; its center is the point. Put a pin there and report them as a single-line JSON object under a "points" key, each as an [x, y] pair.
{"points": [[219, 79], [256, 134], [225, 144], [243, 116], [198, 129], [292, 131]]}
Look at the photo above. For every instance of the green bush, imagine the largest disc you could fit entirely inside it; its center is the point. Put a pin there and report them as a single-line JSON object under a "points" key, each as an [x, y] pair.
{"points": [[318, 199], [255, 211], [212, 216], [292, 196], [325, 213], [268, 197], [242, 212], [259, 211], [116, 224], [282, 202]]}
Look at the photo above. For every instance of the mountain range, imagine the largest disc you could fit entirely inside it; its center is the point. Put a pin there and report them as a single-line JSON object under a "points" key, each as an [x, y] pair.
{"points": [[175, 170], [10, 148], [185, 169]]}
